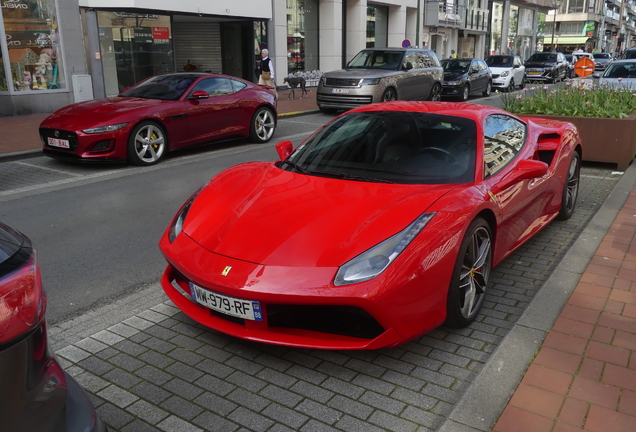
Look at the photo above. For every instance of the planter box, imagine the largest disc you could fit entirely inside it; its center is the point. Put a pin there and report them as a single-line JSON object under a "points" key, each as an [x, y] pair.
{"points": [[608, 140]]}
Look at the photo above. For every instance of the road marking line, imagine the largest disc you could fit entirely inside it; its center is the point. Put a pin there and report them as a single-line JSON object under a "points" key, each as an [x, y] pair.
{"points": [[48, 169]]}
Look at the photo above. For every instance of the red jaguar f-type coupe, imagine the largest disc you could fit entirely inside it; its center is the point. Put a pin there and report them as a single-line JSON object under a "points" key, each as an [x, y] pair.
{"points": [[381, 226], [158, 115]]}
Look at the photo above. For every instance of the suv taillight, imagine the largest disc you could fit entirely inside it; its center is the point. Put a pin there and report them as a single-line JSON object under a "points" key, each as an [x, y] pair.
{"points": [[22, 301]]}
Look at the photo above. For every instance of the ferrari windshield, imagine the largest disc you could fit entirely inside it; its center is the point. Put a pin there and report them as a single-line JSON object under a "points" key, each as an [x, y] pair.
{"points": [[390, 147], [163, 87], [374, 59]]}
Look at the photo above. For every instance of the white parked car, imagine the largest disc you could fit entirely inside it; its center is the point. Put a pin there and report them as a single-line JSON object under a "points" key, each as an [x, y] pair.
{"points": [[619, 74], [508, 72]]}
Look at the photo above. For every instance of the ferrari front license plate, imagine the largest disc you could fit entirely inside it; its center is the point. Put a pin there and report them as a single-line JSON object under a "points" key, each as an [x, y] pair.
{"points": [[246, 309], [56, 142]]}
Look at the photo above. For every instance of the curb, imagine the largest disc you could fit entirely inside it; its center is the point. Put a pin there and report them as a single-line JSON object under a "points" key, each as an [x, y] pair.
{"points": [[483, 402]]}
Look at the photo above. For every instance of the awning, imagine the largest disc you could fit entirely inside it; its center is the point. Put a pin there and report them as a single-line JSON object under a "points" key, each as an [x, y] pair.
{"points": [[565, 40]]}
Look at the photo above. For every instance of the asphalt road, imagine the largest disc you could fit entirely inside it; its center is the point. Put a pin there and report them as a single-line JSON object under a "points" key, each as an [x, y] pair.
{"points": [[96, 227]]}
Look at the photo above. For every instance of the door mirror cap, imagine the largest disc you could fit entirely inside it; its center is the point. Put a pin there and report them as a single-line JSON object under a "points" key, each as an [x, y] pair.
{"points": [[284, 149], [408, 66], [199, 94], [526, 169]]}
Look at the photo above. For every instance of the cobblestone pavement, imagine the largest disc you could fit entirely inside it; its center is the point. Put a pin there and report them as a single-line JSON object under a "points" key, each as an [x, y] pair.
{"points": [[148, 367]]}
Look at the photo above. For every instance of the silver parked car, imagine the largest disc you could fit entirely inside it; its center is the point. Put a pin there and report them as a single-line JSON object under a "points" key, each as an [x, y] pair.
{"points": [[380, 75]]}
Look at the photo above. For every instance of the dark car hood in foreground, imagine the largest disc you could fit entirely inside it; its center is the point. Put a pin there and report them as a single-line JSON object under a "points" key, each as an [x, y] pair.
{"points": [[259, 213], [453, 76]]}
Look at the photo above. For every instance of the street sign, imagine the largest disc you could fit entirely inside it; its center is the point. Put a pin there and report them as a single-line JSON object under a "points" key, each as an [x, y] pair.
{"points": [[406, 43], [584, 67]]}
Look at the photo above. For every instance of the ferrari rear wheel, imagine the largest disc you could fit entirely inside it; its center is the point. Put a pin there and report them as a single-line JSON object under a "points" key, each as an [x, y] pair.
{"points": [[470, 276], [570, 188], [147, 143], [263, 125]]}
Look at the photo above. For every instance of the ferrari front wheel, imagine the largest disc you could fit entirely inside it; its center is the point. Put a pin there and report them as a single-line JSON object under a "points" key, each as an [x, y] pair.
{"points": [[570, 188], [263, 125], [147, 143], [470, 276]]}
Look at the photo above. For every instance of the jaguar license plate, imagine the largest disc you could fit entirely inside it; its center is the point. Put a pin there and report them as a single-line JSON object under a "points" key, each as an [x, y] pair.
{"points": [[56, 142], [246, 309], [338, 90]]}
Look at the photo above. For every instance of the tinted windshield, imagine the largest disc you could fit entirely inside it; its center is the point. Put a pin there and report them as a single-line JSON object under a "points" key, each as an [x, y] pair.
{"points": [[499, 61], [163, 87], [601, 56], [372, 59], [542, 57], [621, 70], [456, 65], [390, 147]]}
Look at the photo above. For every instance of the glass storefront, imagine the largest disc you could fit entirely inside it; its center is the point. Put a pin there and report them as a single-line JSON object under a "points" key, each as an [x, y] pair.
{"points": [[33, 45], [302, 35], [377, 26], [133, 47]]}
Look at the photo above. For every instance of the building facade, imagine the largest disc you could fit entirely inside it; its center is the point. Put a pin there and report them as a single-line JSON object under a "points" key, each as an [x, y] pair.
{"points": [[56, 52]]}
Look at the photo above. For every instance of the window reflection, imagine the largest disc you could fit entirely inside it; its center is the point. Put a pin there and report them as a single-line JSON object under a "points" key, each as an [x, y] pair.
{"points": [[33, 42], [503, 140]]}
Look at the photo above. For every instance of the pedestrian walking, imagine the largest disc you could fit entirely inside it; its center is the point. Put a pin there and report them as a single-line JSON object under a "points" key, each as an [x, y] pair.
{"points": [[267, 69]]}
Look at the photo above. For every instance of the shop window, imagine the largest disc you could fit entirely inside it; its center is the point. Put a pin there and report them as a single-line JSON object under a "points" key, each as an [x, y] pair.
{"points": [[33, 43], [377, 26], [302, 35], [133, 47]]}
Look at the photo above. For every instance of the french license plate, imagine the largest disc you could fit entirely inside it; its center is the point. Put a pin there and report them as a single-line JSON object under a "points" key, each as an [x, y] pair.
{"points": [[246, 309], [534, 73], [337, 90], [56, 142]]}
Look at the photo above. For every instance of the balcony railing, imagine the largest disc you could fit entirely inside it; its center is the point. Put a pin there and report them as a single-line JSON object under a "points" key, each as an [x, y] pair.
{"points": [[477, 19], [449, 14]]}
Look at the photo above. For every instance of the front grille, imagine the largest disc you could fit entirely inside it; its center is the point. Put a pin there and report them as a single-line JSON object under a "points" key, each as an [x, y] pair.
{"points": [[342, 82], [343, 99], [340, 320], [61, 134], [495, 75]]}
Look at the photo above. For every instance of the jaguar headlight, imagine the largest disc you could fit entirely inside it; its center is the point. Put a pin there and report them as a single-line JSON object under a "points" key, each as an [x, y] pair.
{"points": [[177, 224], [103, 129], [374, 261]]}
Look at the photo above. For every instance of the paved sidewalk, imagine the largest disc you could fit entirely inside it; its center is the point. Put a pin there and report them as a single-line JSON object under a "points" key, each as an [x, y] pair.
{"points": [[584, 376], [19, 134]]}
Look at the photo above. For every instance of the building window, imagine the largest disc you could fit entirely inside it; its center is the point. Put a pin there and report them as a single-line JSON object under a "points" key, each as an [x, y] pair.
{"points": [[302, 35], [133, 47], [33, 43], [377, 26]]}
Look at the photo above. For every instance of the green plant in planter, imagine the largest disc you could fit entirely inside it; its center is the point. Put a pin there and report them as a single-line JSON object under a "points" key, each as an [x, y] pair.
{"points": [[575, 98]]}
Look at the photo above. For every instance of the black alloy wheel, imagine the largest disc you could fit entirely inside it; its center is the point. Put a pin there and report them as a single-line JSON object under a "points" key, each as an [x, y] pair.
{"points": [[465, 92], [389, 95], [488, 90], [570, 188], [511, 86], [436, 93], [470, 276]]}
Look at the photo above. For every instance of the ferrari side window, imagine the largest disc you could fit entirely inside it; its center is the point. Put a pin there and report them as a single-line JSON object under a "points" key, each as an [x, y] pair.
{"points": [[504, 138]]}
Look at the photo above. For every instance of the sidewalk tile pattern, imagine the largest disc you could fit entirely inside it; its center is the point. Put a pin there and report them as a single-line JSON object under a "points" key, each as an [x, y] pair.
{"points": [[154, 369], [584, 376]]}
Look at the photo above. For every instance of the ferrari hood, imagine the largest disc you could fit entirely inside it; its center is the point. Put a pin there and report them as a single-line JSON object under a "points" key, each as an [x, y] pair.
{"points": [[259, 213]]}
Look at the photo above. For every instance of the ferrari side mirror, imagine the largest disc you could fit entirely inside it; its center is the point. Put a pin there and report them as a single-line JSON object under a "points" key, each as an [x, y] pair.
{"points": [[284, 149]]}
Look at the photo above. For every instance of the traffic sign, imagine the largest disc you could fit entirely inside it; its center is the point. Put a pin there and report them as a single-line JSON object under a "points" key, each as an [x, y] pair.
{"points": [[584, 67], [406, 43]]}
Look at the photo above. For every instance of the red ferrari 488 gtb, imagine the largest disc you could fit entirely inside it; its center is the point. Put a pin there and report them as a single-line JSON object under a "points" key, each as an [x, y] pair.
{"points": [[381, 226]]}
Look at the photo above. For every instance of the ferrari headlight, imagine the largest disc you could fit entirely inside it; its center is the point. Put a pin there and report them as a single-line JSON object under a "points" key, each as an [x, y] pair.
{"points": [[505, 74], [102, 129], [177, 223], [374, 261]]}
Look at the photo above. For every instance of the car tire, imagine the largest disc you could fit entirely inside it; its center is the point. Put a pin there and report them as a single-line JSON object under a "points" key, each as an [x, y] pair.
{"points": [[147, 143], [470, 275], [488, 89], [511, 86], [389, 95], [465, 92], [263, 125], [436, 93], [570, 188], [523, 82]]}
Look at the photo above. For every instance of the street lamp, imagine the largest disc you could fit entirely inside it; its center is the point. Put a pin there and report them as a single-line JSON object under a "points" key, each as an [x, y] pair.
{"points": [[556, 4]]}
